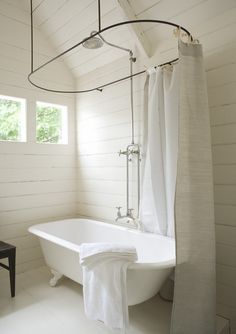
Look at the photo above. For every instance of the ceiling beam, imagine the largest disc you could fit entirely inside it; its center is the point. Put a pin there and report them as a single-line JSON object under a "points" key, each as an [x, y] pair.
{"points": [[135, 28]]}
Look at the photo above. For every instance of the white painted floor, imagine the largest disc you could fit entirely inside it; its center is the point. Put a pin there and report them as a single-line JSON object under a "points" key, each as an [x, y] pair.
{"points": [[40, 309]]}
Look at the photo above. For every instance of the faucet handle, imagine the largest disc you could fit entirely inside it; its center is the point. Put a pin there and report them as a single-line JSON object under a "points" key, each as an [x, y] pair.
{"points": [[122, 152], [118, 208], [130, 213], [118, 211]]}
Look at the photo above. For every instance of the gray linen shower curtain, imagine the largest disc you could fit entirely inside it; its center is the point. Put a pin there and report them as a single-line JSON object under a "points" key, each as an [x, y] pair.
{"points": [[194, 294]]}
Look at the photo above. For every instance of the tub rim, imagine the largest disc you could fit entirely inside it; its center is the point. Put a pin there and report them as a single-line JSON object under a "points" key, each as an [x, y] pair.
{"points": [[35, 229]]}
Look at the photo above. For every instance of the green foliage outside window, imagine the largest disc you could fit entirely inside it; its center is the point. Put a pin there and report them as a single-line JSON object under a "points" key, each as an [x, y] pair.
{"points": [[49, 124], [51, 121], [10, 128]]}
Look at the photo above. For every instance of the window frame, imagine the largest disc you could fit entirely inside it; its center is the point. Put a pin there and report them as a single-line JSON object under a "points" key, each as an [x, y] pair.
{"points": [[64, 122], [23, 119]]}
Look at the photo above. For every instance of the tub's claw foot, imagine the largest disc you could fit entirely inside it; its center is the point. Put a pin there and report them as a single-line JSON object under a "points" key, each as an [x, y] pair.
{"points": [[56, 276]]}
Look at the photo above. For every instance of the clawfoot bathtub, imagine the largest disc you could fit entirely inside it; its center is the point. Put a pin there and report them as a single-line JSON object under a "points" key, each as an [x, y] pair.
{"points": [[60, 242]]}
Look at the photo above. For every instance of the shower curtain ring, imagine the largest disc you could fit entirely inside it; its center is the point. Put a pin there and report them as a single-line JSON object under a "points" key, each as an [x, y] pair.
{"points": [[177, 32]]}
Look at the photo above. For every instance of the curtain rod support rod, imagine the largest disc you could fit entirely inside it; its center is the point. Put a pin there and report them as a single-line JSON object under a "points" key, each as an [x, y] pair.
{"points": [[99, 15]]}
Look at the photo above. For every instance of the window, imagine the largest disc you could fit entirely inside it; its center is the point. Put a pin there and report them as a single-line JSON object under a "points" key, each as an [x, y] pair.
{"points": [[12, 119], [51, 123]]}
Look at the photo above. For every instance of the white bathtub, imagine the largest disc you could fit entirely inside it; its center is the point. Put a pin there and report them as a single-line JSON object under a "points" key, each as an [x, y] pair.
{"points": [[60, 242]]}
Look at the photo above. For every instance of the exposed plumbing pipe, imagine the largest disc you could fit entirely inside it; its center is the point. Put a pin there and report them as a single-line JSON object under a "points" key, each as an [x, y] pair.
{"points": [[131, 96]]}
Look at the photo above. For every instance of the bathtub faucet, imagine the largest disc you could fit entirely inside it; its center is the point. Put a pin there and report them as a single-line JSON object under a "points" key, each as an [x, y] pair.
{"points": [[129, 216], [119, 215]]}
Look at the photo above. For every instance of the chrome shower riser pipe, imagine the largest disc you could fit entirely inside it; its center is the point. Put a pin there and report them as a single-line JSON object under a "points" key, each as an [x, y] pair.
{"points": [[131, 150], [131, 99]]}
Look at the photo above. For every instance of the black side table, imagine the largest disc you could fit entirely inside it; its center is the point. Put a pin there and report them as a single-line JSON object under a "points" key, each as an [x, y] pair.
{"points": [[9, 251]]}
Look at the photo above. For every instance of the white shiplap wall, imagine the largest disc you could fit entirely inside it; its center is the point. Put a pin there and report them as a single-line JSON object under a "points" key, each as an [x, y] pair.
{"points": [[37, 181], [221, 76], [103, 129], [103, 121]]}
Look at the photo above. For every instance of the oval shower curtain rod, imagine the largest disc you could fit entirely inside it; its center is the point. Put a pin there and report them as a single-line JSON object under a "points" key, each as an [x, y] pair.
{"points": [[94, 34]]}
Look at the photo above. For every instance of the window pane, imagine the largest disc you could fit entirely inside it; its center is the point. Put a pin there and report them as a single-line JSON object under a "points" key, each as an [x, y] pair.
{"points": [[12, 119], [51, 123]]}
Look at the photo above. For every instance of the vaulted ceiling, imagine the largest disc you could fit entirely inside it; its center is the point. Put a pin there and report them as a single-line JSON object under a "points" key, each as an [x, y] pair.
{"points": [[66, 22]]}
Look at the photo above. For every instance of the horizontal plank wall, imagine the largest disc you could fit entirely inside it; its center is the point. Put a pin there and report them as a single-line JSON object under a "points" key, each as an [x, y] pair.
{"points": [[221, 76], [37, 181], [103, 123]]}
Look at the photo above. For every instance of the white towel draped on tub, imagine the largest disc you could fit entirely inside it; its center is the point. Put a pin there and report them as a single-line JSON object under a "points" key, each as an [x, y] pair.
{"points": [[104, 282]]}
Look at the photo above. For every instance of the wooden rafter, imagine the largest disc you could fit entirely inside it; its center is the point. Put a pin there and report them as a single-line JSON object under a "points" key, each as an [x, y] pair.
{"points": [[136, 28]]}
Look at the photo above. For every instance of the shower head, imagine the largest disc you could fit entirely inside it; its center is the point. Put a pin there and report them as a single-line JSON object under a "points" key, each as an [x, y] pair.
{"points": [[93, 42]]}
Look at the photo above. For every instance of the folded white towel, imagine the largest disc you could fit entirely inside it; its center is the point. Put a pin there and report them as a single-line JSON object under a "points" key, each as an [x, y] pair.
{"points": [[104, 282]]}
